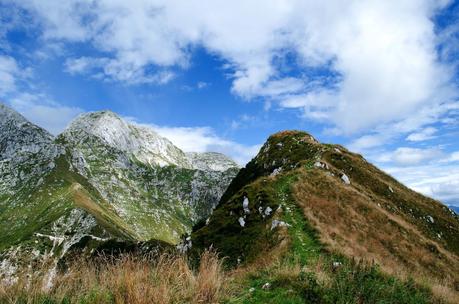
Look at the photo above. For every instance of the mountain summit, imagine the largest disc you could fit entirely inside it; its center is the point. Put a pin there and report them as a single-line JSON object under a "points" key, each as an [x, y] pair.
{"points": [[140, 141]]}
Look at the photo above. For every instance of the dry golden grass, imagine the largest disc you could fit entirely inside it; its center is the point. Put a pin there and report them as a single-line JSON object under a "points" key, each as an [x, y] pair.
{"points": [[350, 221], [126, 279]]}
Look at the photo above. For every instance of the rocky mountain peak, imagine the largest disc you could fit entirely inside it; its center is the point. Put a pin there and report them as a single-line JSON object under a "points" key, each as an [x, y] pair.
{"points": [[104, 124], [17, 135], [211, 161], [343, 197], [140, 141], [10, 120], [7, 114]]}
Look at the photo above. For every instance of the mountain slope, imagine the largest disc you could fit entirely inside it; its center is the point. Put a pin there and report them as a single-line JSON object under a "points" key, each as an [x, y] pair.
{"points": [[27, 157], [354, 209], [151, 183], [103, 179]]}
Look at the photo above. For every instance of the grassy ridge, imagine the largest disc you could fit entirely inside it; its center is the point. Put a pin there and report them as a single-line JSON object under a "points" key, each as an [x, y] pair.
{"points": [[304, 273], [393, 232], [328, 236]]}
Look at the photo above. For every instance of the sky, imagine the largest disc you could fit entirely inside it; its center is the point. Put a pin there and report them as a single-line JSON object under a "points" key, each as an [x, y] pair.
{"points": [[379, 77]]}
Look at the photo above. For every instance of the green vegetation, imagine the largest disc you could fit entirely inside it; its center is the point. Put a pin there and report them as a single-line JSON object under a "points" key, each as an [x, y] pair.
{"points": [[293, 278], [302, 180], [282, 150], [303, 222], [61, 192]]}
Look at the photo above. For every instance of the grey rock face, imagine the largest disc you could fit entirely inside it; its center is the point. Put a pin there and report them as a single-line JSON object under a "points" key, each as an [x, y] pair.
{"points": [[211, 161], [26, 151], [140, 141]]}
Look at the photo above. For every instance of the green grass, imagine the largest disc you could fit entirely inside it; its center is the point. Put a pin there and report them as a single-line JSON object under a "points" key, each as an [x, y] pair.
{"points": [[352, 282]]}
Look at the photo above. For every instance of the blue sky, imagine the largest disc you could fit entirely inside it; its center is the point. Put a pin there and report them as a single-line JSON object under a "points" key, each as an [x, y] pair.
{"points": [[380, 77]]}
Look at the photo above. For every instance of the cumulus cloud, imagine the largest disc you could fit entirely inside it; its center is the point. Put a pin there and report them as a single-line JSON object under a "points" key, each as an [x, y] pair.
{"points": [[8, 69], [110, 69], [422, 135], [17, 90], [378, 59], [368, 141], [454, 156], [372, 69], [244, 121], [200, 85], [386, 133], [10, 74], [430, 171], [412, 156]]}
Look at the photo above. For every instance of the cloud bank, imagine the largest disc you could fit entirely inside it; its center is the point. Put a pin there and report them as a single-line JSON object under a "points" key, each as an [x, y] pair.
{"points": [[357, 64], [376, 71]]}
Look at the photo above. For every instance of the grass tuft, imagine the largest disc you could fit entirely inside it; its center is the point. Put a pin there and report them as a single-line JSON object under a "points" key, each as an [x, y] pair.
{"points": [[129, 278]]}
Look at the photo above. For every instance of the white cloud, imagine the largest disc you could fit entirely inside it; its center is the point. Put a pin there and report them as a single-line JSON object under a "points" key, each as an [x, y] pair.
{"points": [[412, 156], [204, 139], [386, 133], [385, 81], [10, 74], [368, 141], [51, 116], [17, 89], [381, 54], [82, 64], [408, 156], [454, 156], [437, 181], [8, 69], [110, 69], [422, 135], [430, 171], [64, 19], [202, 85], [244, 121]]}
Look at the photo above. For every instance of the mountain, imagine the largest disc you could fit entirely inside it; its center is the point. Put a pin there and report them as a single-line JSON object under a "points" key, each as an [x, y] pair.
{"points": [[28, 157], [140, 142], [300, 200], [151, 183], [303, 221], [102, 180]]}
